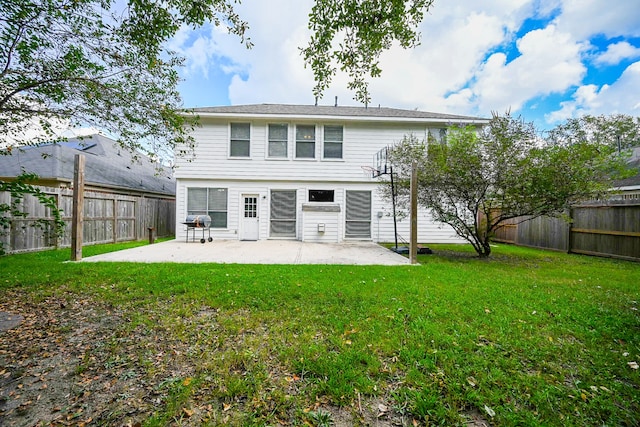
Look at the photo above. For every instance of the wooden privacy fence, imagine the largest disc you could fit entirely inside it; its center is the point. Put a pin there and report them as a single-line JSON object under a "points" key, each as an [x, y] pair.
{"points": [[108, 218], [609, 229]]}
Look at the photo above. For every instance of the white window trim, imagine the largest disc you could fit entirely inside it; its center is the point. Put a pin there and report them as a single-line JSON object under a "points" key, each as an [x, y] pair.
{"points": [[315, 146], [229, 156], [289, 138], [333, 159]]}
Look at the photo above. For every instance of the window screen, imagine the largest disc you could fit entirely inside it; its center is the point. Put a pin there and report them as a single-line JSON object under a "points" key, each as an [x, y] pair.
{"points": [[283, 213], [358, 214]]}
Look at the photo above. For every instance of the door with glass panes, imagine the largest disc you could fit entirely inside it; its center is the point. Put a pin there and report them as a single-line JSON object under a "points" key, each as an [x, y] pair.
{"points": [[250, 229]]}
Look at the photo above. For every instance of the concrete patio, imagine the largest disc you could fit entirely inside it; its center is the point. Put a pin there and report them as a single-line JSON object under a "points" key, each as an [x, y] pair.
{"points": [[258, 252]]}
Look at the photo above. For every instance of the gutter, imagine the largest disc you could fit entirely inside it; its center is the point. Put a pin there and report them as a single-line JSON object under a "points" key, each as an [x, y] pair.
{"points": [[323, 117]]}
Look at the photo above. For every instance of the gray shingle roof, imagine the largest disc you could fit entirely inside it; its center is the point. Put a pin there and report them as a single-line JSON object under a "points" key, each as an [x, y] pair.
{"points": [[339, 111], [105, 165], [634, 164]]}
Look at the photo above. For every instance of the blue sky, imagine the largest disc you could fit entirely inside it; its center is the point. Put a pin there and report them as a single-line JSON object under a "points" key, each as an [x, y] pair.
{"points": [[545, 60]]}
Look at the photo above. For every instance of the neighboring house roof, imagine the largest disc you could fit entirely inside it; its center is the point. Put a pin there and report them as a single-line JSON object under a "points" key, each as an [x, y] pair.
{"points": [[106, 165], [632, 182], [337, 112]]}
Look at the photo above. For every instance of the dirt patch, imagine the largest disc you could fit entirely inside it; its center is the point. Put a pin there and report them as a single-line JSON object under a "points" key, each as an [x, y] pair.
{"points": [[55, 370]]}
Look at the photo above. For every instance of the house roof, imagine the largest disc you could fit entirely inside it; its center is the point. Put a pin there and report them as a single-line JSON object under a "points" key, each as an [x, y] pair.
{"points": [[336, 112], [105, 165], [632, 163]]}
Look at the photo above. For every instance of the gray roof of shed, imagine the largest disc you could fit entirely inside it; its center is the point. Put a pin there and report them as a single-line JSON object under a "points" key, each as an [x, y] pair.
{"points": [[333, 111], [106, 165]]}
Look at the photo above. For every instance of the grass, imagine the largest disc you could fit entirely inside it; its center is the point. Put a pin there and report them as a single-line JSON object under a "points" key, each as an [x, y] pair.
{"points": [[527, 337]]}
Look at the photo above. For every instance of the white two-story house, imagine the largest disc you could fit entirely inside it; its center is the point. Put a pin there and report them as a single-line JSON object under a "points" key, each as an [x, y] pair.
{"points": [[299, 172]]}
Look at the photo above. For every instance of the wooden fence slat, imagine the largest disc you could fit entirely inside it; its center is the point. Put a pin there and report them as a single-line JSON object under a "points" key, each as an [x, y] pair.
{"points": [[104, 220], [611, 230], [606, 232]]}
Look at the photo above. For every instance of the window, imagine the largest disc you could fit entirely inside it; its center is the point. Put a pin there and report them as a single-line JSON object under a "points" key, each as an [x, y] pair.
{"points": [[358, 215], [283, 213], [278, 136], [208, 201], [321, 195], [240, 140], [305, 141], [333, 142]]}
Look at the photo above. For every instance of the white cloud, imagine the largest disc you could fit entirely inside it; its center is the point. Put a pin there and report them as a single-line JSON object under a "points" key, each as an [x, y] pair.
{"points": [[539, 70], [464, 65], [617, 52], [586, 18], [619, 97]]}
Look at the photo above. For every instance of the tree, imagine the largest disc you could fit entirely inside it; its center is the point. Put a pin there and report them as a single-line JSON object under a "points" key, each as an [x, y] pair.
{"points": [[477, 180], [351, 35], [619, 131], [101, 64]]}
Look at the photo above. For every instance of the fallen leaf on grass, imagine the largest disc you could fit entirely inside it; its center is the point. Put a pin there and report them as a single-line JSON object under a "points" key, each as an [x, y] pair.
{"points": [[226, 407], [489, 411], [187, 412], [632, 365], [471, 381], [187, 381]]}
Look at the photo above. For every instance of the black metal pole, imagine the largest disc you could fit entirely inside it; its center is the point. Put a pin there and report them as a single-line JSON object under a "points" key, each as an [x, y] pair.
{"points": [[393, 202]]}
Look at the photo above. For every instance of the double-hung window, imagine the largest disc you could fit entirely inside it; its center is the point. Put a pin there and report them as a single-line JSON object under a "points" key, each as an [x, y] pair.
{"points": [[278, 136], [208, 201], [240, 141], [333, 142], [305, 141]]}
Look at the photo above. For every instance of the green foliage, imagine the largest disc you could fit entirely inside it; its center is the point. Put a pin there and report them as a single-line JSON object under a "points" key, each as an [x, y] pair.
{"points": [[615, 130], [99, 63], [18, 188], [479, 179], [351, 35]]}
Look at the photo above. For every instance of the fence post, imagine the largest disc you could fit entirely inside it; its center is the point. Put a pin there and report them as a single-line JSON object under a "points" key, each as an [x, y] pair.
{"points": [[78, 208]]}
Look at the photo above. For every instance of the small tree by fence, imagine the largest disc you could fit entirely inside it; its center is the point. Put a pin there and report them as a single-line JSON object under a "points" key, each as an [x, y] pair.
{"points": [[108, 218], [609, 229]]}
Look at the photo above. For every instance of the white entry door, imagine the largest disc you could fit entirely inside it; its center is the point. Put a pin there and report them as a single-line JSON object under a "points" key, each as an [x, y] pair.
{"points": [[250, 229]]}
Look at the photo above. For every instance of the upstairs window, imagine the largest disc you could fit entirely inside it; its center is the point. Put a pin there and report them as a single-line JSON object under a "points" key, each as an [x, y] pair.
{"points": [[305, 141], [333, 142], [239, 145], [278, 136]]}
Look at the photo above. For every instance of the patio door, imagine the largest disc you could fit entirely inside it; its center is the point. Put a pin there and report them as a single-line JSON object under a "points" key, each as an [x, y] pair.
{"points": [[250, 229]]}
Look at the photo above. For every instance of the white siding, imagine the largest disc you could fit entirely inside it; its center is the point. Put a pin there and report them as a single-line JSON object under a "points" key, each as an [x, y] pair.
{"points": [[321, 227], [307, 221], [213, 167], [361, 142]]}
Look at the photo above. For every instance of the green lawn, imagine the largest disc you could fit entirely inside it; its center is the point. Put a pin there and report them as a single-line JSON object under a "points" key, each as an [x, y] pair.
{"points": [[525, 338]]}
